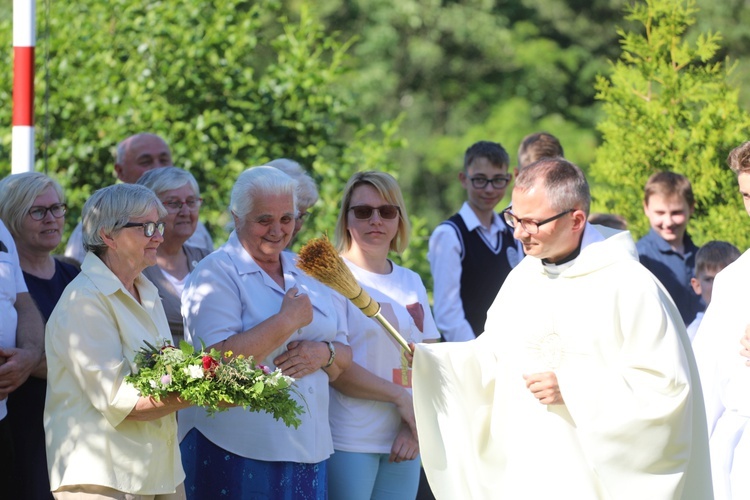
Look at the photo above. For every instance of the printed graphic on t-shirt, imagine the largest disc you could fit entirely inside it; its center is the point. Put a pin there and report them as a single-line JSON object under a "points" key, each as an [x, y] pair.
{"points": [[417, 313]]}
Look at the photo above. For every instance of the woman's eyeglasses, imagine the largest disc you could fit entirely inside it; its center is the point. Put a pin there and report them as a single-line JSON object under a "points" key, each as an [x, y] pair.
{"points": [[176, 205], [57, 210], [364, 212], [149, 228]]}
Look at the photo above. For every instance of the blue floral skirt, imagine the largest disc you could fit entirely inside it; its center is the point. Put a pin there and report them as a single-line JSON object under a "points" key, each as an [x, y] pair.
{"points": [[212, 472]]}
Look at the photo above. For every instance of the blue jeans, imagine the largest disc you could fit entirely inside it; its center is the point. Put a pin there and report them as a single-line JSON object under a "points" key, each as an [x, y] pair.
{"points": [[365, 476]]}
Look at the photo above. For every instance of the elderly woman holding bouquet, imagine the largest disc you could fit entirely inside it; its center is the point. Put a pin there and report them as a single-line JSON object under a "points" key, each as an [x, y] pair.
{"points": [[249, 298], [372, 416], [104, 440]]}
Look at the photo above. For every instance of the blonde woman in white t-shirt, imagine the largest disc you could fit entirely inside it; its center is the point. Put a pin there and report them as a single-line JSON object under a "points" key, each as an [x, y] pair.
{"points": [[376, 453]]}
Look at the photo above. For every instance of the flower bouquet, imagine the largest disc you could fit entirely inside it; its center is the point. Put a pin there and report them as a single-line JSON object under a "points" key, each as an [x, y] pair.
{"points": [[214, 380]]}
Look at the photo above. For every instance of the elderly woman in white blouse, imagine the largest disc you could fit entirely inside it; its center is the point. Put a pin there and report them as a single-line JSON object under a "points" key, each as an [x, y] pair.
{"points": [[248, 297]]}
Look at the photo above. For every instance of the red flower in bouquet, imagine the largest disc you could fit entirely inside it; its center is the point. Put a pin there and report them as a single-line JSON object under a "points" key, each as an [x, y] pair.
{"points": [[210, 364]]}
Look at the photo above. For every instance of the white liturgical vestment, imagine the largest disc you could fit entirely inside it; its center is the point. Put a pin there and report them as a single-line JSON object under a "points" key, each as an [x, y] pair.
{"points": [[632, 425], [726, 380]]}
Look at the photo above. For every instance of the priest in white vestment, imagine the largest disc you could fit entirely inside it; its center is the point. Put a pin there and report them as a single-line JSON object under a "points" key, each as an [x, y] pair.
{"points": [[725, 378], [583, 384]]}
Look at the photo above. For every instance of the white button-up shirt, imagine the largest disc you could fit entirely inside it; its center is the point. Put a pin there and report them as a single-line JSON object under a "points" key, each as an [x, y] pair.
{"points": [[11, 284], [445, 255]]}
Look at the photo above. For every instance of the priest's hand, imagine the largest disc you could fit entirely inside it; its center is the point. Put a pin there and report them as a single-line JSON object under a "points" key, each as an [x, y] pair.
{"points": [[745, 341], [544, 387], [410, 355]]}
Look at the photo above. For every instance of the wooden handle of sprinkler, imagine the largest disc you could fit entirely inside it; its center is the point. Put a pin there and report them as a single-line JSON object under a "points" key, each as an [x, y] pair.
{"points": [[389, 328], [371, 309]]}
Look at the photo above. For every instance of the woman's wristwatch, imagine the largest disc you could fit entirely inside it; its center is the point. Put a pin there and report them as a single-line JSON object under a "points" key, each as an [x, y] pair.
{"points": [[332, 349]]}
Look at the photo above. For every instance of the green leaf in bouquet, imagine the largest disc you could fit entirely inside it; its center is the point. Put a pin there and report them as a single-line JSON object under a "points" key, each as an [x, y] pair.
{"points": [[187, 348]]}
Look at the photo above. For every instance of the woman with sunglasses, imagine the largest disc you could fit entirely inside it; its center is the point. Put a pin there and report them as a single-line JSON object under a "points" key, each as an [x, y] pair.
{"points": [[371, 413], [33, 208], [103, 439], [175, 258]]}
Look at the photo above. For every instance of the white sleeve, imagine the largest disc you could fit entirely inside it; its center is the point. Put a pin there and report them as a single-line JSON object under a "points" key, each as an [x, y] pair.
{"points": [[212, 304], [74, 247], [430, 328], [444, 255]]}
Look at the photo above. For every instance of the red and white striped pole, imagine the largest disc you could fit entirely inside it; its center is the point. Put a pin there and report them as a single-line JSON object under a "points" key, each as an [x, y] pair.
{"points": [[24, 41]]}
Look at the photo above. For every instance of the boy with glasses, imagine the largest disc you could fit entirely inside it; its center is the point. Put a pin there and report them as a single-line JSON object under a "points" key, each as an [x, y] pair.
{"points": [[473, 251]]}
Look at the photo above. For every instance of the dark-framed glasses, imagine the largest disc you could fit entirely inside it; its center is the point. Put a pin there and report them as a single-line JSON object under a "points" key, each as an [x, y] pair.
{"points": [[149, 228], [176, 205], [364, 212], [57, 210], [498, 182], [530, 226]]}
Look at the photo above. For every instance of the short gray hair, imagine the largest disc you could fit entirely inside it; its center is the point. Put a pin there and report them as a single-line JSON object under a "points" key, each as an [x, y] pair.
{"points": [[256, 182], [110, 208], [307, 191], [17, 195], [164, 179], [564, 184]]}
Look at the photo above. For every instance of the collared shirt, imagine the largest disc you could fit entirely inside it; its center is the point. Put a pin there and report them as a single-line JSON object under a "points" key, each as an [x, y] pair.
{"points": [[229, 293], [92, 337], [674, 270], [445, 255], [11, 284]]}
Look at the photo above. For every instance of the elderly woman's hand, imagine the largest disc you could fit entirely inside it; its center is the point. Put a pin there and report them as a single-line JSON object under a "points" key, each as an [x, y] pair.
{"points": [[296, 308], [302, 358]]}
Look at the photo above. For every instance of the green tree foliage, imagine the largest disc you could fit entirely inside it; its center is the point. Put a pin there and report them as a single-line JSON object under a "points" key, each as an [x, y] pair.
{"points": [[466, 70], [228, 83], [669, 105]]}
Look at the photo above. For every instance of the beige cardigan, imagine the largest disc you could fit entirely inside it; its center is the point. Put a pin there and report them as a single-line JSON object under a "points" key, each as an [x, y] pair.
{"points": [[169, 297]]}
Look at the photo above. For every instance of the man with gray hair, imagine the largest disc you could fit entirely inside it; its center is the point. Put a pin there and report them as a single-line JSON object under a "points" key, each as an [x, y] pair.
{"points": [[583, 384], [135, 156]]}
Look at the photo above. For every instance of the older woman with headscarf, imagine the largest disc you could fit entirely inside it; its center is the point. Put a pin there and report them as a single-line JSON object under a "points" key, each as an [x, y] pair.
{"points": [[33, 208], [104, 440], [248, 297], [175, 259]]}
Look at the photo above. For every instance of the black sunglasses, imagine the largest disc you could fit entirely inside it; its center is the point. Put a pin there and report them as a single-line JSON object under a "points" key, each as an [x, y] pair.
{"points": [[149, 228], [364, 212]]}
